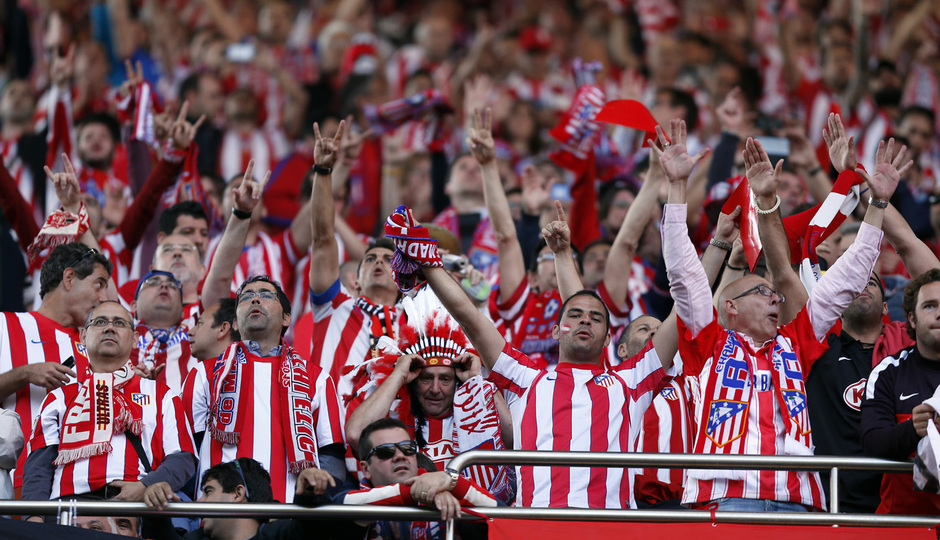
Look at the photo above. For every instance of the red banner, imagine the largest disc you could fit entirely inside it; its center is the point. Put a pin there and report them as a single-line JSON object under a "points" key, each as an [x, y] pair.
{"points": [[513, 529]]}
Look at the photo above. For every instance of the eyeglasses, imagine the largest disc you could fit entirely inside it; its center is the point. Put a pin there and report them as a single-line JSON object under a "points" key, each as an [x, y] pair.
{"points": [[238, 468], [763, 290], [387, 451], [248, 296], [551, 257], [117, 322], [90, 252], [185, 248], [156, 281]]}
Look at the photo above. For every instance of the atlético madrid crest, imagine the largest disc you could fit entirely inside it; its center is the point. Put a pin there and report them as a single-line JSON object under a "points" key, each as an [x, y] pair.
{"points": [[604, 380]]}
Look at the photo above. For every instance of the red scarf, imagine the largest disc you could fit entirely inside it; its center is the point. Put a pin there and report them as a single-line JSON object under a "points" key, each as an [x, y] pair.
{"points": [[95, 410], [295, 392]]}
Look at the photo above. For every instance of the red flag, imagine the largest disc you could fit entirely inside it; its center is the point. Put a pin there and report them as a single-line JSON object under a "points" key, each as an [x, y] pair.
{"points": [[632, 114], [747, 221]]}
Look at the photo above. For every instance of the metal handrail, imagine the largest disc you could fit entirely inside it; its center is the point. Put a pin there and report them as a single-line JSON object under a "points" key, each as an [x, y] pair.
{"points": [[372, 513], [675, 461], [686, 461], [541, 458]]}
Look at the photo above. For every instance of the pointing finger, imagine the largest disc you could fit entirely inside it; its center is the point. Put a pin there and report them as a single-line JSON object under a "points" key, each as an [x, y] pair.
{"points": [[183, 111], [560, 211], [198, 123]]}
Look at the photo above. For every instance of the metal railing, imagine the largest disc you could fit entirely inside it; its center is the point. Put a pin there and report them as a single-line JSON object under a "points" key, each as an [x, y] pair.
{"points": [[65, 509]]}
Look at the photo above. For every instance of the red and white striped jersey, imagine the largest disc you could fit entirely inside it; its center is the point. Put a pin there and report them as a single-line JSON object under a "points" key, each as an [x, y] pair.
{"points": [[530, 318], [165, 432], [667, 427], [31, 338], [274, 256], [156, 347], [576, 407], [744, 387], [196, 394], [407, 60], [265, 146], [343, 334], [263, 436]]}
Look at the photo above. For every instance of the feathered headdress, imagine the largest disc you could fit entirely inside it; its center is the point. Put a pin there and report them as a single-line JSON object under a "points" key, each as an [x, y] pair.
{"points": [[427, 330]]}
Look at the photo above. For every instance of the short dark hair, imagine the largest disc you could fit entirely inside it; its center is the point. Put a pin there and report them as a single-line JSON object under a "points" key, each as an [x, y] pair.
{"points": [[365, 438], [226, 313], [257, 481], [75, 255], [584, 292], [169, 218], [281, 295], [911, 290], [681, 98], [190, 84], [108, 121], [608, 191], [381, 242], [917, 110]]}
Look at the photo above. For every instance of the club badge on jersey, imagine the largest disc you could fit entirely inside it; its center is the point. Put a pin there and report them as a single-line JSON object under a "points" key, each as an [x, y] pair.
{"points": [[726, 421]]}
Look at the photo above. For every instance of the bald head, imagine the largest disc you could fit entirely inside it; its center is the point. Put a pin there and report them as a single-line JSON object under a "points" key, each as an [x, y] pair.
{"points": [[750, 305]]}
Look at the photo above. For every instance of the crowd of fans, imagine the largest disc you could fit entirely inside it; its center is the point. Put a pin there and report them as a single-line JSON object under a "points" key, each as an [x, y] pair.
{"points": [[271, 250]]}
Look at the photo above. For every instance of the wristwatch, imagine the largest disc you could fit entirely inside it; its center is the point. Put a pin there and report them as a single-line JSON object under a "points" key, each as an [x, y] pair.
{"points": [[454, 477], [877, 203], [319, 169]]}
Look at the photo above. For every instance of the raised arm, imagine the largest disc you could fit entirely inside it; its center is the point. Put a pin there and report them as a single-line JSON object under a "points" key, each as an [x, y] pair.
{"points": [[219, 277], [915, 254], [628, 237], [849, 275], [688, 282], [485, 337], [557, 236], [377, 405], [763, 178], [324, 258], [483, 148]]}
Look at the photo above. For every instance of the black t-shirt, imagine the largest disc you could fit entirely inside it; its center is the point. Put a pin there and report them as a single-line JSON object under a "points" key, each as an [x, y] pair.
{"points": [[834, 390]]}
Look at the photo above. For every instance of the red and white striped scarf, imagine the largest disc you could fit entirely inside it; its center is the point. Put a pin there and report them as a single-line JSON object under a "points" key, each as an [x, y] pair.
{"points": [[806, 233], [727, 396], [97, 410], [232, 391]]}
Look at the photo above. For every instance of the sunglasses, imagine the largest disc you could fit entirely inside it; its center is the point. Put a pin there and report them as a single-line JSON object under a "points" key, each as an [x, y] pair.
{"points": [[78, 260], [387, 451], [242, 475]]}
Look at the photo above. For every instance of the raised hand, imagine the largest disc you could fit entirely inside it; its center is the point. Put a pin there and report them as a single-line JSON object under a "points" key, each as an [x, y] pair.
{"points": [[889, 166], [728, 227], [63, 67], [731, 112], [557, 234], [476, 94], [145, 372], [536, 195], [802, 153], [182, 132], [467, 366], [480, 137], [762, 176], [326, 150], [408, 366], [248, 193], [134, 77], [677, 163], [841, 147], [351, 142], [66, 186]]}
